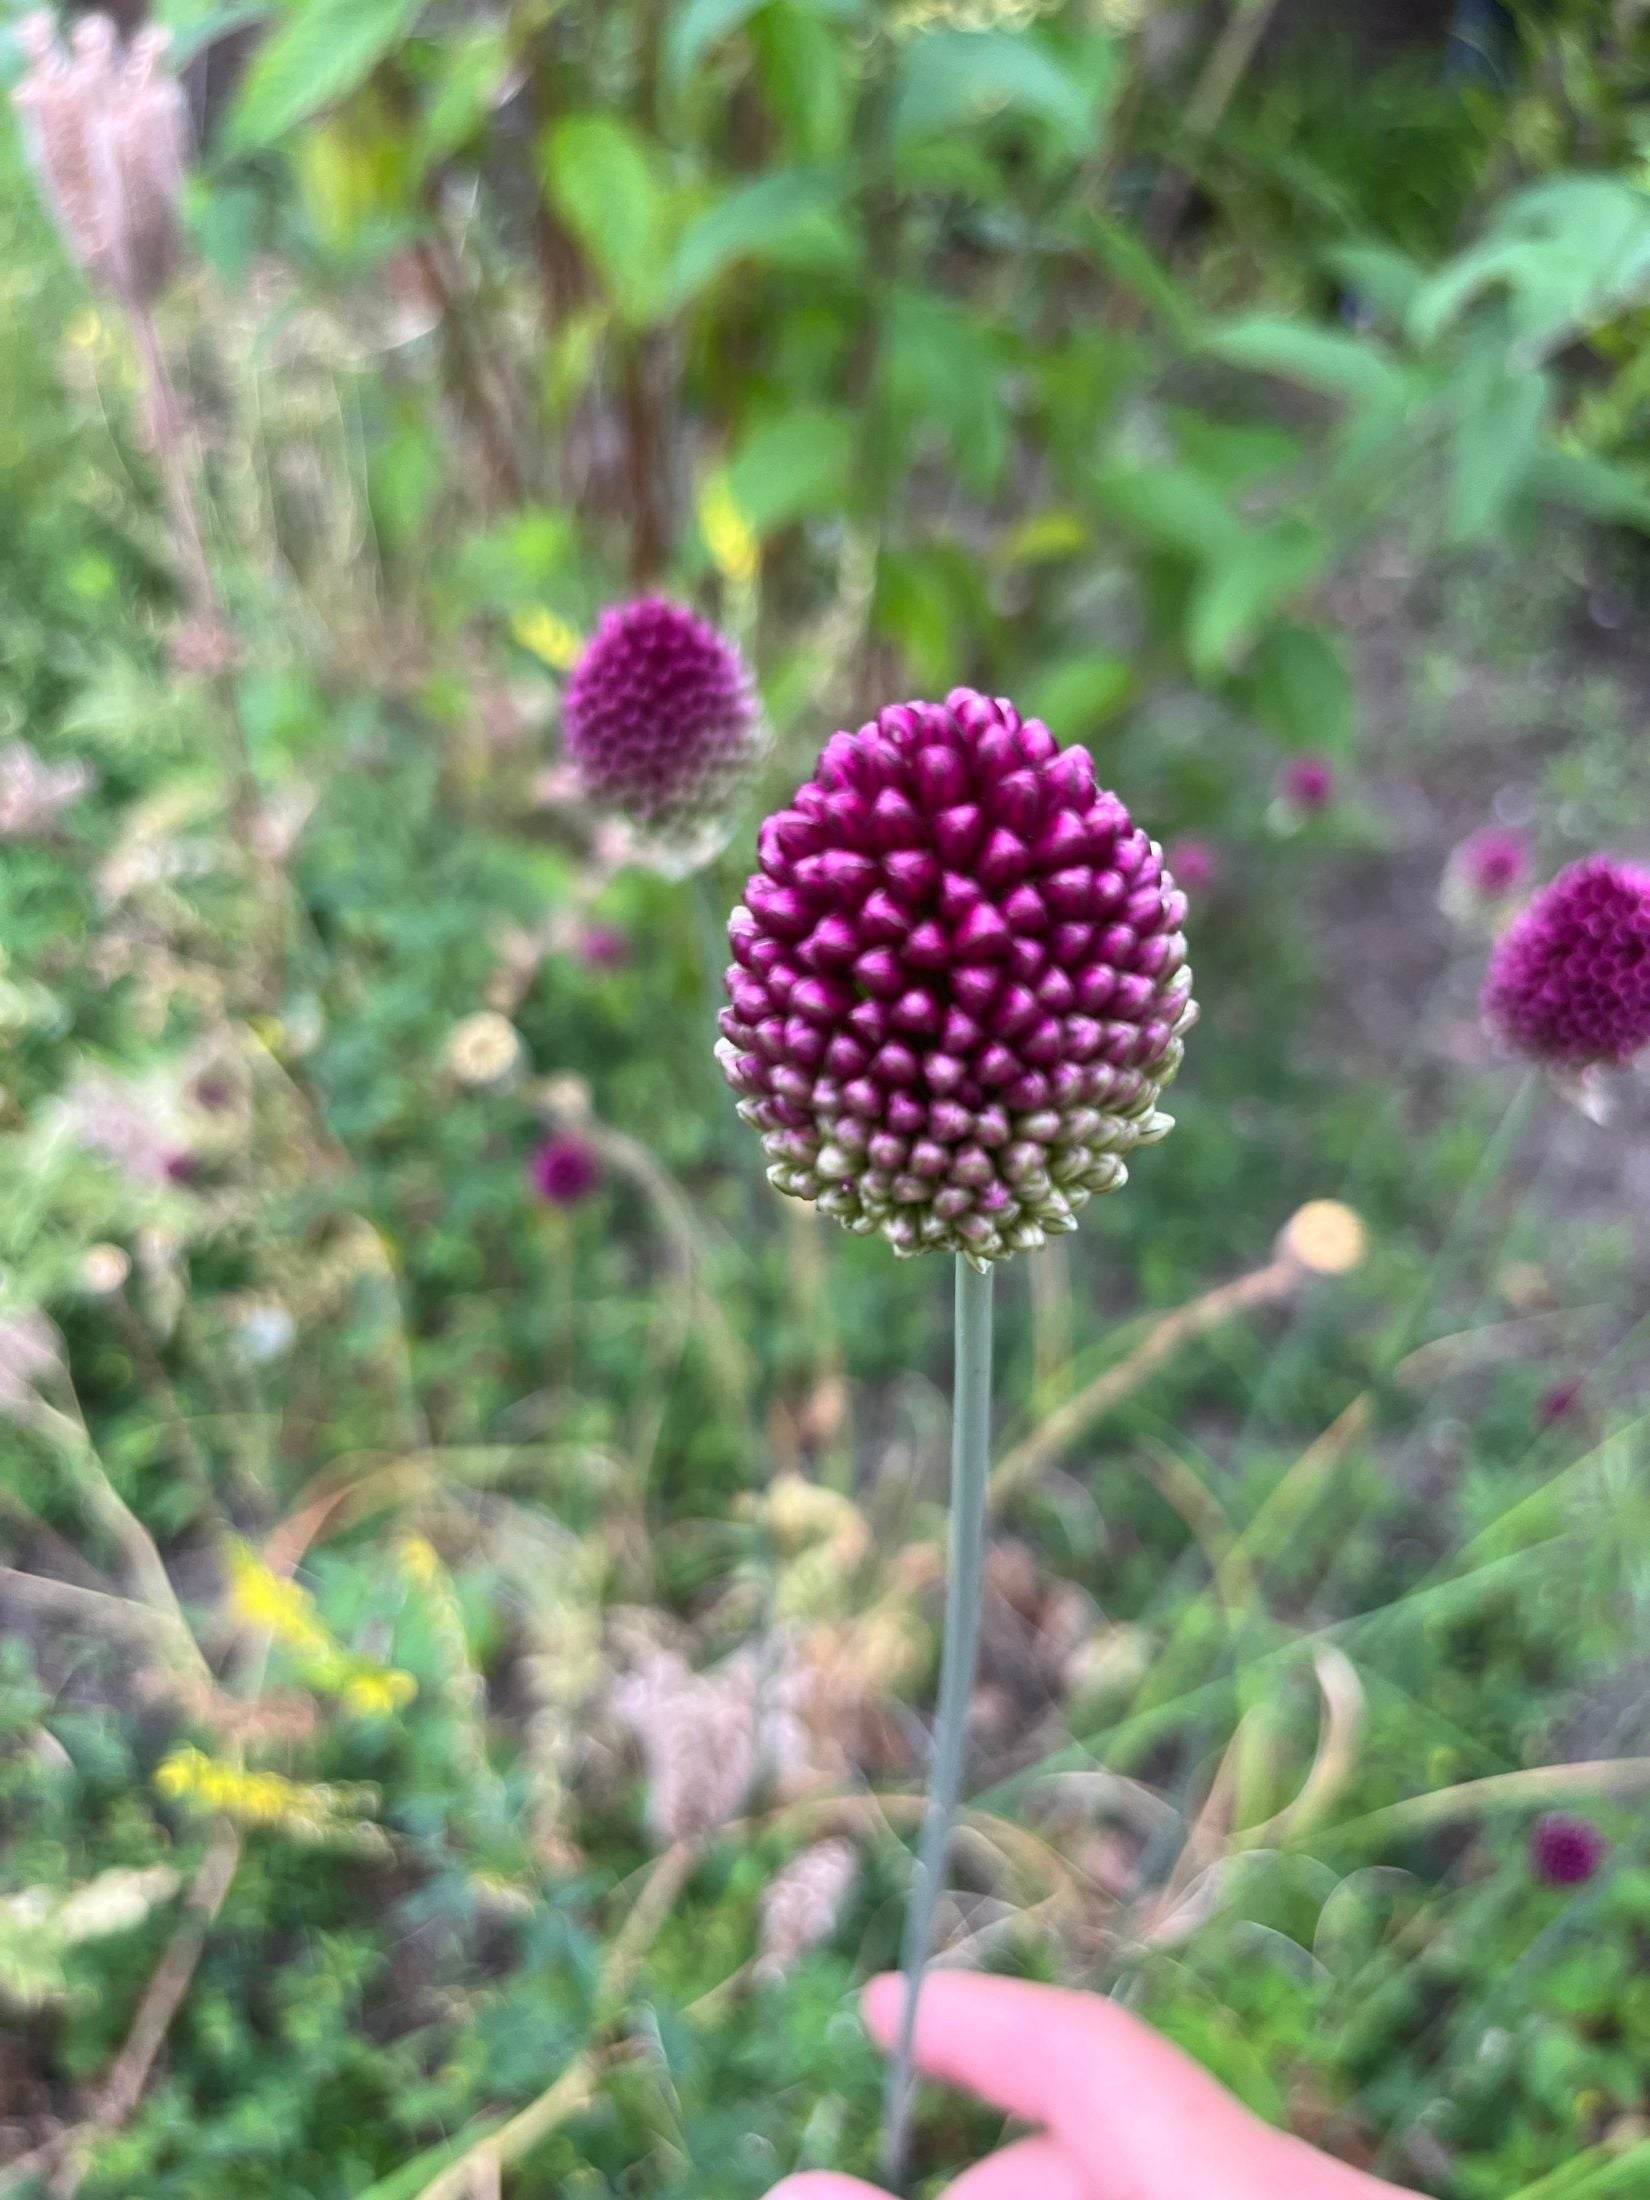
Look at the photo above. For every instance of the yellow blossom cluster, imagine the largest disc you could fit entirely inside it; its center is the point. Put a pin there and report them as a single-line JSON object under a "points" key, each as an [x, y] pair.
{"points": [[261, 1598], [310, 1809]]}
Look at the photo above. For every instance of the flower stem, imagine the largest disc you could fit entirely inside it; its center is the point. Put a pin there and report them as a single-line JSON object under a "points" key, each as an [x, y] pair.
{"points": [[970, 1461]]}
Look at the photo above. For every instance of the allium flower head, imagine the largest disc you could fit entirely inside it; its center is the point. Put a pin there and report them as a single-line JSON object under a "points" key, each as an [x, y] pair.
{"points": [[603, 947], [1195, 863], [566, 1170], [660, 717], [1307, 784], [1569, 981], [959, 983], [1565, 1851], [109, 135], [1493, 862]]}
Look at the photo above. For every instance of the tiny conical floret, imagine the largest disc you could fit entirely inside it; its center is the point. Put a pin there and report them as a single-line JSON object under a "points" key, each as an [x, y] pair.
{"points": [[660, 718], [959, 983], [1569, 981]]}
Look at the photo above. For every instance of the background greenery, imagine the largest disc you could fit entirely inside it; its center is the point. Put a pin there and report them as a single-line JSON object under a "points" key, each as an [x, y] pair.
{"points": [[1225, 389]]}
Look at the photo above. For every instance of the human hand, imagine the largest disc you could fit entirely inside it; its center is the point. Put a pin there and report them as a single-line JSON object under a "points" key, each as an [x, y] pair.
{"points": [[1121, 2114]]}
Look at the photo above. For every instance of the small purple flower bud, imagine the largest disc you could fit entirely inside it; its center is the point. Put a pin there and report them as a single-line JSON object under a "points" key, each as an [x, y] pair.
{"points": [[565, 1171], [1566, 1851], [971, 905], [1307, 784], [1569, 981], [660, 717]]}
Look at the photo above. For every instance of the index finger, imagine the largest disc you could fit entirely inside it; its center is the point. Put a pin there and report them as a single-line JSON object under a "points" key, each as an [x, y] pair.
{"points": [[1115, 2094]]}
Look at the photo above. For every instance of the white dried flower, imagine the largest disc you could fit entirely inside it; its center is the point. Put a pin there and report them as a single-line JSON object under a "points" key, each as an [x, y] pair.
{"points": [[697, 1733], [136, 1127], [266, 1330], [485, 1049], [801, 1906], [104, 1270], [33, 793], [109, 136]]}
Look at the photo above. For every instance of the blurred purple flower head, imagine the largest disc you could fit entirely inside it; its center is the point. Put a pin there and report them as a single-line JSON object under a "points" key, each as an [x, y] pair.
{"points": [[566, 1170], [1307, 784], [182, 1169], [603, 947], [959, 983], [1558, 1403], [660, 717], [1492, 863], [1194, 864], [1569, 980], [1565, 1851]]}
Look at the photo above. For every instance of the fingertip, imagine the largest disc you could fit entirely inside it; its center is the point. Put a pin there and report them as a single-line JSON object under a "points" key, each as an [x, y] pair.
{"points": [[882, 2005], [823, 2185]]}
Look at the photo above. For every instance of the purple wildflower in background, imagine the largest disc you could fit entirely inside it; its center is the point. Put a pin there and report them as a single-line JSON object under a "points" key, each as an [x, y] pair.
{"points": [[1195, 864], [1565, 1851], [566, 1170], [1494, 862], [1307, 784], [1558, 1403], [959, 983], [603, 947], [660, 717], [1569, 981]]}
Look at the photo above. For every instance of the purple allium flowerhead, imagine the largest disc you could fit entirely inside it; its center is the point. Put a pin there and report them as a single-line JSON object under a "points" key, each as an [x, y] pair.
{"points": [[1565, 1851], [1558, 1403], [1569, 980], [1307, 784], [1195, 863], [1494, 862], [603, 947], [660, 717], [959, 983], [566, 1170]]}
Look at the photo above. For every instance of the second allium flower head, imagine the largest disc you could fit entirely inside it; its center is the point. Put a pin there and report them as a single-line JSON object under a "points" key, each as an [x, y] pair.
{"points": [[1569, 981], [959, 984], [660, 718]]}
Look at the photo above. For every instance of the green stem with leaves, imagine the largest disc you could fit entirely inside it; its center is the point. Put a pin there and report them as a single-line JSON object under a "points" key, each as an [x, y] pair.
{"points": [[965, 1584]]}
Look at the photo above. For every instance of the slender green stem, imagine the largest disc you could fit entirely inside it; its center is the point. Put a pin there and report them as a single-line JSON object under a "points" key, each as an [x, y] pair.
{"points": [[970, 1464]]}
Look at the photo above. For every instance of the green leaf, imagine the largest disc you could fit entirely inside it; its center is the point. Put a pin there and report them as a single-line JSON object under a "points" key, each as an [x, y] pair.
{"points": [[1242, 591], [606, 180], [1171, 508], [1330, 360], [1591, 484], [807, 72], [944, 371], [1389, 281], [697, 27], [785, 217], [322, 51], [473, 71], [951, 79], [1300, 687], [1498, 437], [791, 465], [1077, 695]]}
